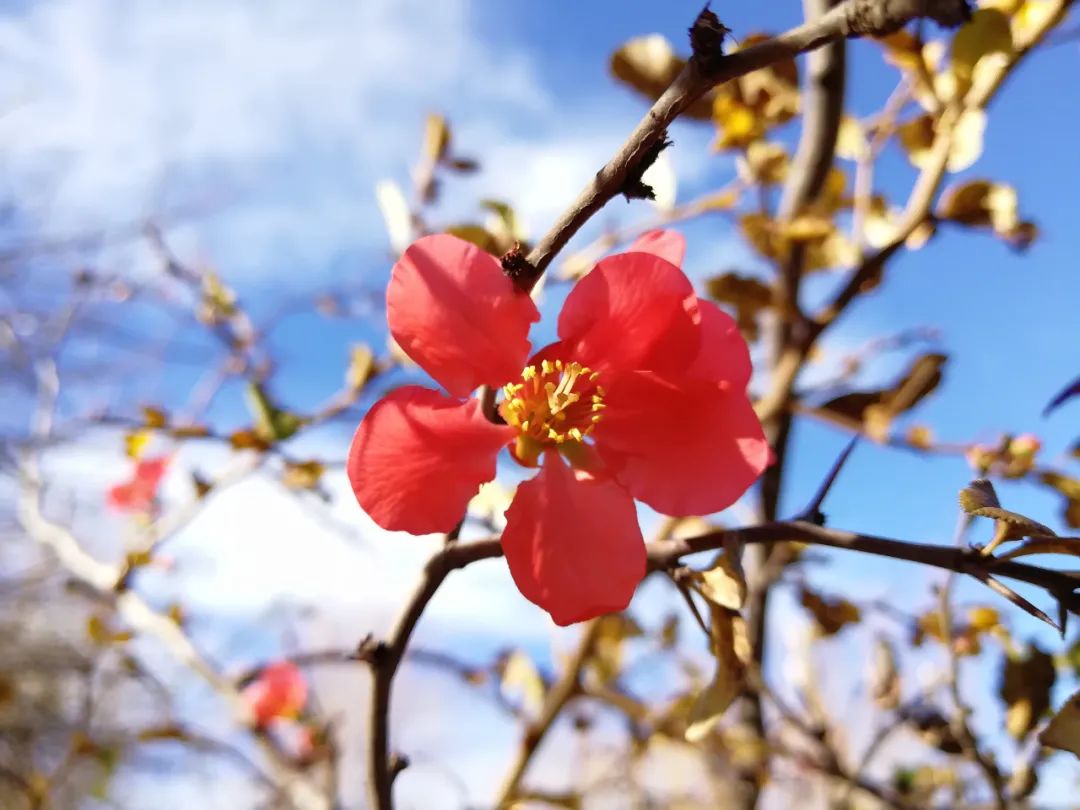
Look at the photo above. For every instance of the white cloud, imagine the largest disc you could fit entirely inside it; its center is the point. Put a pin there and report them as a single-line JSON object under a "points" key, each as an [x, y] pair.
{"points": [[276, 119], [279, 109]]}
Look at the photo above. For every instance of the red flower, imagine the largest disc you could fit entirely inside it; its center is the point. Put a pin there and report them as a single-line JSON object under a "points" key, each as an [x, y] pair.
{"points": [[139, 493], [643, 396], [279, 691]]}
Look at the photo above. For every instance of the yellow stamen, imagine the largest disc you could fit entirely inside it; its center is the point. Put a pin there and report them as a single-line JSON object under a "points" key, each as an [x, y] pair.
{"points": [[554, 402]]}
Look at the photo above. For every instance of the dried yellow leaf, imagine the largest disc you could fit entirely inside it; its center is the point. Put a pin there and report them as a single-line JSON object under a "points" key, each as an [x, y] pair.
{"points": [[362, 367], [1063, 732], [520, 677], [732, 650], [851, 141], [724, 582]]}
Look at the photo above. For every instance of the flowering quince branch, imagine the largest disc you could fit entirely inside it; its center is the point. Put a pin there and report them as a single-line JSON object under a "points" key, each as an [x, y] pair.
{"points": [[619, 408], [643, 396]]}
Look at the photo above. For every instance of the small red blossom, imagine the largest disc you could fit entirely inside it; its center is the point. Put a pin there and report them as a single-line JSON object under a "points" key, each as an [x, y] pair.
{"points": [[643, 396], [279, 691], [139, 493]]}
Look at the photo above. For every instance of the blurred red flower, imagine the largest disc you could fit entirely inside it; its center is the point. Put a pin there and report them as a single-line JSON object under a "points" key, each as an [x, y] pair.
{"points": [[643, 396], [280, 690], [139, 493]]}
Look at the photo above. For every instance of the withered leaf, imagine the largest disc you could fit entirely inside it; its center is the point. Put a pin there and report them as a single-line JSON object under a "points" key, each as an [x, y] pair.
{"points": [[1063, 732], [303, 474], [649, 64], [747, 295], [731, 648], [747, 107], [247, 439], [1026, 681], [917, 138], [396, 215], [362, 367], [479, 236], [724, 581], [436, 144], [136, 442], [1069, 487], [988, 32], [764, 162], [830, 615], [519, 677], [611, 634], [986, 204], [167, 732], [884, 676], [979, 499], [935, 729], [979, 494], [154, 417], [875, 410]]}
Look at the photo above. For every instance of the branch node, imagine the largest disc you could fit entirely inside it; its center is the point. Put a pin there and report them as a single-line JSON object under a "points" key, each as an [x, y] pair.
{"points": [[398, 763], [707, 39], [519, 269], [633, 188], [371, 651]]}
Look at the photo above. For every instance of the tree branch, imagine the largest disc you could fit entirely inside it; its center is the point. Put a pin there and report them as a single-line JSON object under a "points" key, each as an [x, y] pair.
{"points": [[103, 581], [851, 18], [824, 106], [385, 657]]}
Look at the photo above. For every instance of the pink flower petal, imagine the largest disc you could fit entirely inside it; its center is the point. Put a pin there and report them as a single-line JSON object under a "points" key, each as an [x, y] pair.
{"points": [[685, 447], [140, 491], [724, 355], [280, 690], [668, 245], [418, 457], [573, 543], [633, 311], [452, 309]]}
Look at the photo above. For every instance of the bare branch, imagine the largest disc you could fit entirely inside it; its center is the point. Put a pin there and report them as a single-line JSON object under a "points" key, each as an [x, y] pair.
{"points": [[851, 18]]}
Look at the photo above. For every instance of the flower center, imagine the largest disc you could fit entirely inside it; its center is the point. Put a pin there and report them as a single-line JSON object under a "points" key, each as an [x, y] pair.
{"points": [[554, 404]]}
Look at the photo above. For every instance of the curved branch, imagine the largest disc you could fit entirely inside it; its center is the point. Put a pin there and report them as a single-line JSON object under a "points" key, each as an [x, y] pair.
{"points": [[385, 657]]}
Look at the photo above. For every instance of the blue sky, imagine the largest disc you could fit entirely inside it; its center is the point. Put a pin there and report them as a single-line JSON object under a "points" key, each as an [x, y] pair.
{"points": [[256, 131]]}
